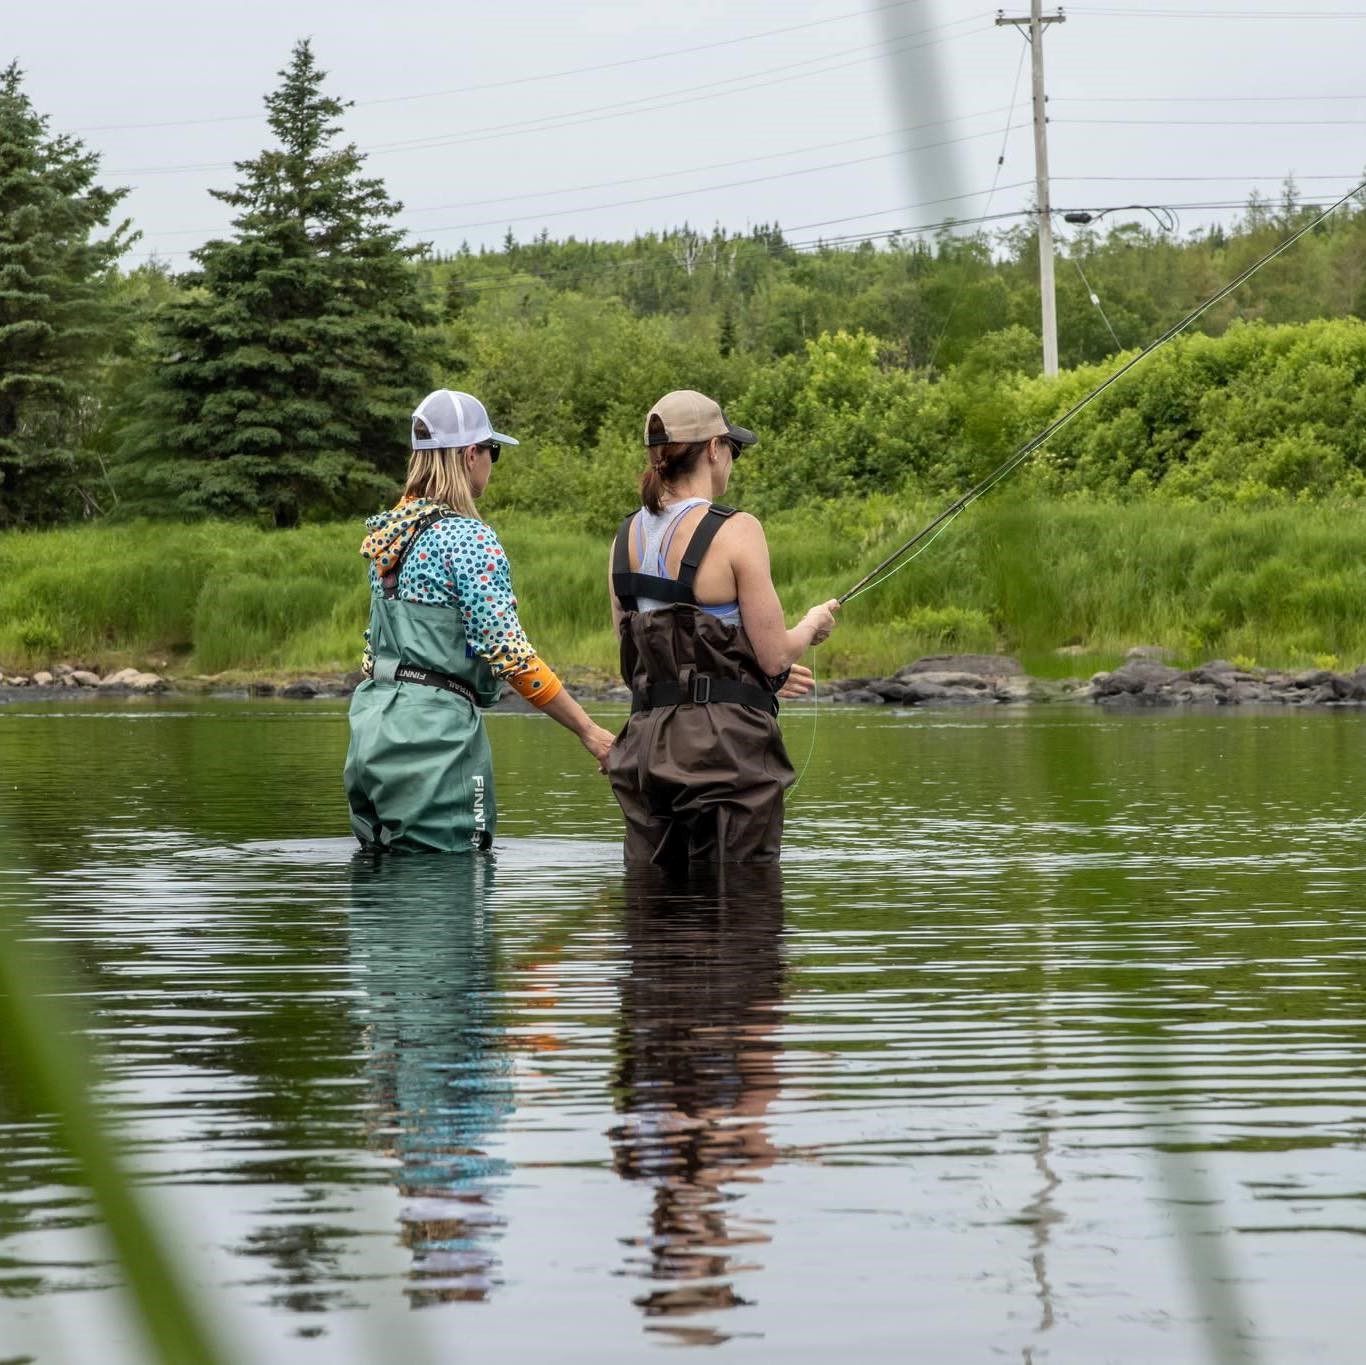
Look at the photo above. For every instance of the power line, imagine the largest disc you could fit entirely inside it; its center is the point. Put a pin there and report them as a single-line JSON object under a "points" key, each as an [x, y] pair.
{"points": [[948, 223], [724, 165], [905, 208], [1112, 12], [1220, 122], [852, 239], [658, 175], [704, 189], [1196, 99], [745, 81], [1095, 299], [732, 85], [544, 76], [1274, 178], [494, 283], [991, 194], [1279, 176], [874, 577]]}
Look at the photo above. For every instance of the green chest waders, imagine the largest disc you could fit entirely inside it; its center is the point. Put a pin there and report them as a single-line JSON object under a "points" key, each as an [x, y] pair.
{"points": [[419, 774]]}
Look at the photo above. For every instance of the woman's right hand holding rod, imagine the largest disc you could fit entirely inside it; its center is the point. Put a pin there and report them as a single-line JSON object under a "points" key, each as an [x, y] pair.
{"points": [[819, 621], [814, 627]]}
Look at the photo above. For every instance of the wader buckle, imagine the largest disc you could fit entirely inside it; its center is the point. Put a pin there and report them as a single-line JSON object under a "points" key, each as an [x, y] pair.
{"points": [[699, 689]]}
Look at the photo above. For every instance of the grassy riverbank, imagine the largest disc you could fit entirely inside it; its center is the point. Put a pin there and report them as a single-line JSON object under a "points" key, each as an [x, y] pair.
{"points": [[1283, 586]]}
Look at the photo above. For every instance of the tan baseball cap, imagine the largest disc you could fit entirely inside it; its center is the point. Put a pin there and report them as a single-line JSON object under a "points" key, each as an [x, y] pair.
{"points": [[686, 416]]}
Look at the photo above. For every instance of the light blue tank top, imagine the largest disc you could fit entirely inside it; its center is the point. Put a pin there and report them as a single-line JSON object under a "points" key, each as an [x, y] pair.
{"points": [[654, 535]]}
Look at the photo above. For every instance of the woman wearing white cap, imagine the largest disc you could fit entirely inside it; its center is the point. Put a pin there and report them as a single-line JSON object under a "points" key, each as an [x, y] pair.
{"points": [[443, 638], [700, 769]]}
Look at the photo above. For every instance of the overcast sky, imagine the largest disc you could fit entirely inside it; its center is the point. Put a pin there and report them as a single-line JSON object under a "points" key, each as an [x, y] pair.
{"points": [[593, 119]]}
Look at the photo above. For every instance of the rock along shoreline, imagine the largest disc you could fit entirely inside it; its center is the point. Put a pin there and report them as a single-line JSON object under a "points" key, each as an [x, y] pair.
{"points": [[1144, 679]]}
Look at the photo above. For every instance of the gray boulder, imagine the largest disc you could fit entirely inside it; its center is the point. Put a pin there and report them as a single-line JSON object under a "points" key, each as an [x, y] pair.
{"points": [[1312, 677], [1188, 693], [857, 696], [122, 678], [1014, 689], [891, 689], [953, 679], [1140, 679], [916, 691], [980, 665]]}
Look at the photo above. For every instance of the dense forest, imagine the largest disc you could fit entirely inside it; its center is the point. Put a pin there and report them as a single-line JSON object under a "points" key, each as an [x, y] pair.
{"points": [[272, 381]]}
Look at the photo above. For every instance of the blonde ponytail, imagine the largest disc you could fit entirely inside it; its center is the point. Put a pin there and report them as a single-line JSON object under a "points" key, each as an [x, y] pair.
{"points": [[440, 476]]}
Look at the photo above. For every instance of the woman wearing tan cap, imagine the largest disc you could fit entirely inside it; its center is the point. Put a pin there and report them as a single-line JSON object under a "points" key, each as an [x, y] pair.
{"points": [[700, 769]]}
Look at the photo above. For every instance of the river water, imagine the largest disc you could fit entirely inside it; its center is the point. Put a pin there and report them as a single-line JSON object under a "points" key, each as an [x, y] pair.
{"points": [[1047, 1043]]}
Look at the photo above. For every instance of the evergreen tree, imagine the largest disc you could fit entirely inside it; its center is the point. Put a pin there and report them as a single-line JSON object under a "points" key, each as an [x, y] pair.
{"points": [[290, 370], [58, 312]]}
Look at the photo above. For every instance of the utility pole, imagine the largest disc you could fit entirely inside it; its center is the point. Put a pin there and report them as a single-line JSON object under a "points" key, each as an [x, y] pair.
{"points": [[1036, 23]]}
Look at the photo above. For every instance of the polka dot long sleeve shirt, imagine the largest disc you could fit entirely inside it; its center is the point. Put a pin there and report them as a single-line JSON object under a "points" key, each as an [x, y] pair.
{"points": [[459, 563]]}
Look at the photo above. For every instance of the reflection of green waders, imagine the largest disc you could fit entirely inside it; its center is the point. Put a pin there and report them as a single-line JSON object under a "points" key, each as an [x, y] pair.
{"points": [[418, 773]]}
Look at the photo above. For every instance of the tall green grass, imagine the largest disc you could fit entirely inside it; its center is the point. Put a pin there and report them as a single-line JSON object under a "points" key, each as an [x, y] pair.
{"points": [[1279, 586]]}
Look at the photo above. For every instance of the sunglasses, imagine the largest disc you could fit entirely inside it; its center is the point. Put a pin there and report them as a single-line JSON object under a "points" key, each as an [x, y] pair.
{"points": [[493, 448]]}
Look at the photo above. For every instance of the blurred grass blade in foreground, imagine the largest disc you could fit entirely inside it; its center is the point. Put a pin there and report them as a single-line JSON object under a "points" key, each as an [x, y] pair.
{"points": [[53, 1075]]}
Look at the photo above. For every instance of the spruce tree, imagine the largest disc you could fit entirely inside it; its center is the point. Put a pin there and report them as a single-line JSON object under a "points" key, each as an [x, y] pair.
{"points": [[58, 314], [288, 373]]}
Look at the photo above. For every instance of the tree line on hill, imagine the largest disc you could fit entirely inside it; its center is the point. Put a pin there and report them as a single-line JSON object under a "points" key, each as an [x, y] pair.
{"points": [[273, 380]]}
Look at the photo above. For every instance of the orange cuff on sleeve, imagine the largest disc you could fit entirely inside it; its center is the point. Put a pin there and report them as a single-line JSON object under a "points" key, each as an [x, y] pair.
{"points": [[536, 681]]}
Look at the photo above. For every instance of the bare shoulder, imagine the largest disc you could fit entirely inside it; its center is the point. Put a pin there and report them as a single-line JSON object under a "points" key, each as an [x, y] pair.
{"points": [[743, 527], [742, 541]]}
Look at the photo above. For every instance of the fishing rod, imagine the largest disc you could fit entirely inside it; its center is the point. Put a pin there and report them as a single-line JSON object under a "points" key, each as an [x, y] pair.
{"points": [[872, 579]]}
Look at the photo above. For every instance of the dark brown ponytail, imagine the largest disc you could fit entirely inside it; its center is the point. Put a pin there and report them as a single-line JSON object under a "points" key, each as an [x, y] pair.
{"points": [[667, 463]]}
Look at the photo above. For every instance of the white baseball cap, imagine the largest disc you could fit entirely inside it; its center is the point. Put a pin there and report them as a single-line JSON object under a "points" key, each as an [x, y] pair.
{"points": [[455, 420]]}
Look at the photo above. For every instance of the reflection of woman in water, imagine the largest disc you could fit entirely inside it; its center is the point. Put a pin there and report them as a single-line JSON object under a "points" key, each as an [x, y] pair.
{"points": [[697, 1070], [440, 1078]]}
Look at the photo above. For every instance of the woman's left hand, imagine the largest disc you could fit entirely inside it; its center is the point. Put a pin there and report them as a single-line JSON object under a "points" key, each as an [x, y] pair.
{"points": [[799, 682]]}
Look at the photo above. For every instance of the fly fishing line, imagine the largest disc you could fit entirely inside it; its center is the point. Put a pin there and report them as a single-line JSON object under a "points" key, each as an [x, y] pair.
{"points": [[879, 575]]}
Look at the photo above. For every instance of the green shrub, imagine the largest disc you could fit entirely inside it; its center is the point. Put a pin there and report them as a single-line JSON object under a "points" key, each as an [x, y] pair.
{"points": [[39, 638]]}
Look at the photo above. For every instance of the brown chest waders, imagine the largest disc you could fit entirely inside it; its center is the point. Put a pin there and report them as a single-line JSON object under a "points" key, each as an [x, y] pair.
{"points": [[700, 769]]}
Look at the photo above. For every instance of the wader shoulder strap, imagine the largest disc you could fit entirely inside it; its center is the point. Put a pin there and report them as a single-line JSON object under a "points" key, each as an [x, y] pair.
{"points": [[715, 518], [629, 586], [390, 580]]}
